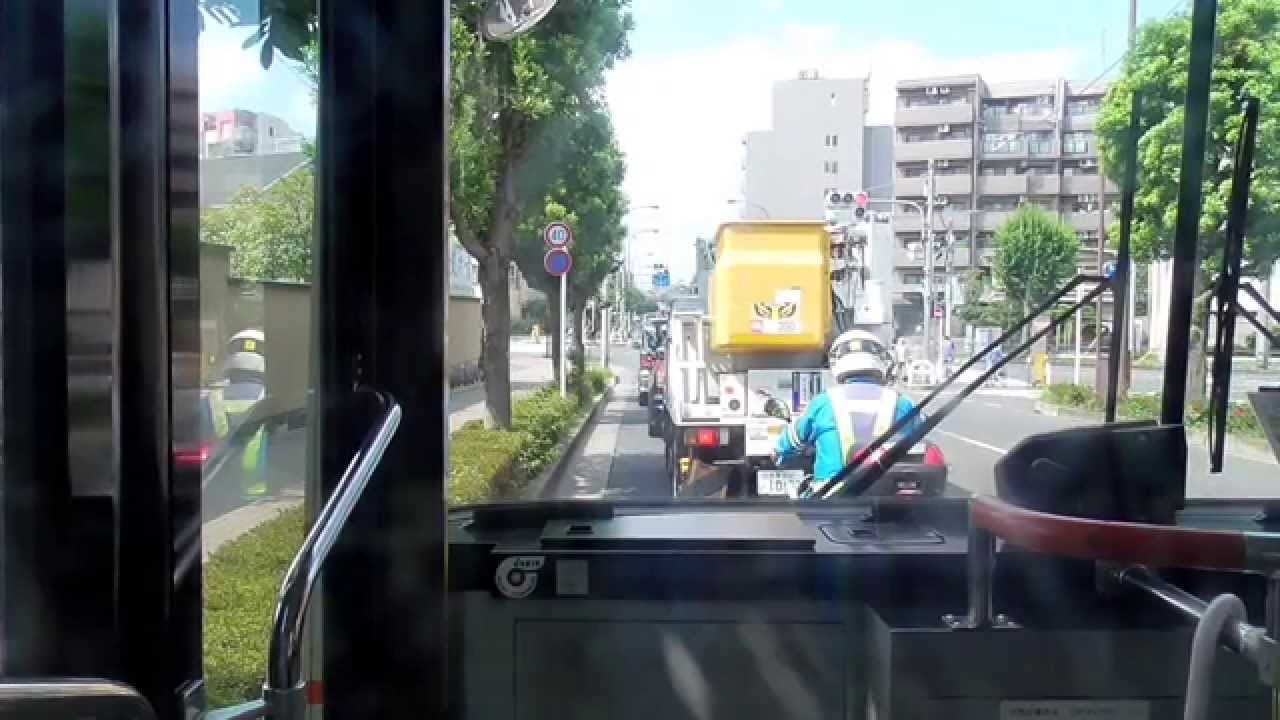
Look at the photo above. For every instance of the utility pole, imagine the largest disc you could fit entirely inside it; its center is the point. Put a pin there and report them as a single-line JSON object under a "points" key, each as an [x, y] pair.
{"points": [[926, 242]]}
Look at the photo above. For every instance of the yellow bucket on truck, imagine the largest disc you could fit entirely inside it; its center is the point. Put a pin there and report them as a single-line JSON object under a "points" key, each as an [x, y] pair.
{"points": [[771, 287]]}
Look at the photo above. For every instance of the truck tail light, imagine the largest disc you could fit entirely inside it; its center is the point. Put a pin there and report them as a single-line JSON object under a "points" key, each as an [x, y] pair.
{"points": [[707, 437]]}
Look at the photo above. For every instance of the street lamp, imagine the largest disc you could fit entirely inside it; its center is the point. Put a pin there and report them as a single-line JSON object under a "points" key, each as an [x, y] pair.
{"points": [[763, 210]]}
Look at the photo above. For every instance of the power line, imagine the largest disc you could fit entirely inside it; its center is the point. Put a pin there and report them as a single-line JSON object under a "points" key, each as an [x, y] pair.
{"points": [[1173, 9]]}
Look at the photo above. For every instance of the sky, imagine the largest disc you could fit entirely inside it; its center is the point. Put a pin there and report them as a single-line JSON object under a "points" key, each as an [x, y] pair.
{"points": [[700, 74]]}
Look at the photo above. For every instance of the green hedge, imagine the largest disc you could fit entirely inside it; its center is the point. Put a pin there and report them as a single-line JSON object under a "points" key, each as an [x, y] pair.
{"points": [[242, 578], [1144, 406]]}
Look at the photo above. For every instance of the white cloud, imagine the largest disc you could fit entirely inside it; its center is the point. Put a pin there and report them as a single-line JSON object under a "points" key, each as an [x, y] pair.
{"points": [[681, 118]]}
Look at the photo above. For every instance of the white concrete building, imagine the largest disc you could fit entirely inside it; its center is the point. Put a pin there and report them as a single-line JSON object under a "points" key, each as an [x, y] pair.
{"points": [[814, 148]]}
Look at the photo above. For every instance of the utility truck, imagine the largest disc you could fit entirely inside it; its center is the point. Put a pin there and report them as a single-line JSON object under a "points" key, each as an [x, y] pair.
{"points": [[774, 295]]}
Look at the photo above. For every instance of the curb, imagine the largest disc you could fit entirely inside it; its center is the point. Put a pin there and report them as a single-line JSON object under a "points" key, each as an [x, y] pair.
{"points": [[548, 481]]}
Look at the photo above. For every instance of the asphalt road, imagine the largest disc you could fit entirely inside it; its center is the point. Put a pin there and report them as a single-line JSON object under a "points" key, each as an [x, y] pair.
{"points": [[618, 459]]}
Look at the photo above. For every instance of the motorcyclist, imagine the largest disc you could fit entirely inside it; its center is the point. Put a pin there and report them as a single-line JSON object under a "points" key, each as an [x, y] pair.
{"points": [[846, 417]]}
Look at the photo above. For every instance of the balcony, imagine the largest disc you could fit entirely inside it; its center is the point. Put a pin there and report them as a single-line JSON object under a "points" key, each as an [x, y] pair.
{"points": [[957, 220], [1008, 151], [936, 149], [913, 187], [1086, 121], [1002, 185], [1043, 185], [908, 187], [958, 184], [906, 221], [902, 258], [959, 113], [1084, 220], [992, 219], [1085, 185]]}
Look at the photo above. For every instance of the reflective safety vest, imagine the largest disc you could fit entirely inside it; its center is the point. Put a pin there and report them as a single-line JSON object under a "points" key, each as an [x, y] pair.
{"points": [[863, 412]]}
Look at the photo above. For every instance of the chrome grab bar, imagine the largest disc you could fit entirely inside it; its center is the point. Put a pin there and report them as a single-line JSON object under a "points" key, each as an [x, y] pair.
{"points": [[72, 698], [284, 694], [284, 664]]}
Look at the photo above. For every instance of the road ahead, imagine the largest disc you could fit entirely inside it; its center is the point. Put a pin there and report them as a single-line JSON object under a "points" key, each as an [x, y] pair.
{"points": [[618, 459]]}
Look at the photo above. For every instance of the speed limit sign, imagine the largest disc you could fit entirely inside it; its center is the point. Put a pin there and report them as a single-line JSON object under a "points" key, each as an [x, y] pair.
{"points": [[557, 235]]}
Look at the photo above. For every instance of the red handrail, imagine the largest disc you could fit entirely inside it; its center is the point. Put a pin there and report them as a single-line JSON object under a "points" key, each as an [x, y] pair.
{"points": [[1118, 542]]}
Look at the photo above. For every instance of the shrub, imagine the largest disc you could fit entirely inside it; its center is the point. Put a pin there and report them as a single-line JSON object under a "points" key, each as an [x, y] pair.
{"points": [[241, 580], [483, 464], [1070, 395], [598, 379], [543, 418]]}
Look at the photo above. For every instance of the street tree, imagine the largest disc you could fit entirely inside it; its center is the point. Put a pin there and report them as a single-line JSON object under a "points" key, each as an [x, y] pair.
{"points": [[1248, 62], [269, 229], [507, 99], [638, 302], [588, 168], [1035, 255]]}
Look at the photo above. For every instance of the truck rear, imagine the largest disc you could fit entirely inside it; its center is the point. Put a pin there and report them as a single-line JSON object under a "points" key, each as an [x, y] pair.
{"points": [[766, 328]]}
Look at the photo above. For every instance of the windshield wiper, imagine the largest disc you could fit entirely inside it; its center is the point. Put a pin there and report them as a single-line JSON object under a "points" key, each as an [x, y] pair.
{"points": [[865, 474]]}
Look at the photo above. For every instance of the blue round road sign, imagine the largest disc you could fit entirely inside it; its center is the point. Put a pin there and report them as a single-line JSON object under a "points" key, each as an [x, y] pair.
{"points": [[557, 261], [1108, 269]]}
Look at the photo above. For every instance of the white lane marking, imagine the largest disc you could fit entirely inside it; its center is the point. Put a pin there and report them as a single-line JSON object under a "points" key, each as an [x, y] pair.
{"points": [[993, 405], [971, 441]]}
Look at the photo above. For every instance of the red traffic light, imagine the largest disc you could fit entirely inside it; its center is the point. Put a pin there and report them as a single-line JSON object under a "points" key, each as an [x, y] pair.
{"points": [[861, 199]]}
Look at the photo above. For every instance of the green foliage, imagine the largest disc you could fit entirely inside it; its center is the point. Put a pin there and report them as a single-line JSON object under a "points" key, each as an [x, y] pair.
{"points": [[1070, 395], [1035, 255], [483, 464], [241, 581], [516, 109], [543, 418], [586, 194], [638, 302], [1146, 406], [1247, 61], [269, 229]]}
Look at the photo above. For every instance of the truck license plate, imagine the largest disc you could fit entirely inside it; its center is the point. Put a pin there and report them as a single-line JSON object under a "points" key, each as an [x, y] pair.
{"points": [[784, 483]]}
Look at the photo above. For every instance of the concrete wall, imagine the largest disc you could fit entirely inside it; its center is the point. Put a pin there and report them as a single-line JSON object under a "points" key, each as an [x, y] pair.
{"points": [[465, 331], [286, 324], [283, 311]]}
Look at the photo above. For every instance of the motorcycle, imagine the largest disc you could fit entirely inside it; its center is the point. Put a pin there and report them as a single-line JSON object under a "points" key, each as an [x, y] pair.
{"points": [[921, 473]]}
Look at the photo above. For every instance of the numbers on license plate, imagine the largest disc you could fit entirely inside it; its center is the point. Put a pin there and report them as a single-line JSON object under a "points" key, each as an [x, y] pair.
{"points": [[784, 483]]}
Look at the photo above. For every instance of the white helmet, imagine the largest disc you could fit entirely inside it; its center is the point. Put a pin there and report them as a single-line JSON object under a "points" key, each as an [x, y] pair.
{"points": [[858, 352], [859, 364]]}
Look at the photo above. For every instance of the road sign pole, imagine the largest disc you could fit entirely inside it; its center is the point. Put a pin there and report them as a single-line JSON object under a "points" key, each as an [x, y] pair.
{"points": [[564, 324]]}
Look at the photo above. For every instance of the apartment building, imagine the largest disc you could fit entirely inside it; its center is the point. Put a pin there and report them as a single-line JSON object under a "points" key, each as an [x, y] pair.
{"points": [[994, 147], [815, 147]]}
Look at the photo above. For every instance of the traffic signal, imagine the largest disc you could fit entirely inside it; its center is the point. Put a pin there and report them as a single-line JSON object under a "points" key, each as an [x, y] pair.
{"points": [[861, 200]]}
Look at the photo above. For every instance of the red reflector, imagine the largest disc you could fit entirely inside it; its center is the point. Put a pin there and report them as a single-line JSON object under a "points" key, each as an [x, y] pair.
{"points": [[933, 456], [707, 437], [315, 693]]}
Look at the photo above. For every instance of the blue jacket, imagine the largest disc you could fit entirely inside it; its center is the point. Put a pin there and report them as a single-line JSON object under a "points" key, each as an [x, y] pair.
{"points": [[818, 427]]}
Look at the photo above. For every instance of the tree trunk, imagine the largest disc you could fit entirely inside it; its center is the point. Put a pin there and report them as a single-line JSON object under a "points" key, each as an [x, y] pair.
{"points": [[579, 345], [496, 352]]}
